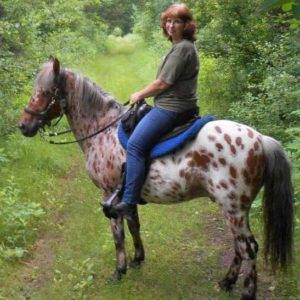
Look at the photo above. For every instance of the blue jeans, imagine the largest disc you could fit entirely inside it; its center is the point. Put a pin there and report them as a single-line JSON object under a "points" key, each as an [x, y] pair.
{"points": [[146, 134]]}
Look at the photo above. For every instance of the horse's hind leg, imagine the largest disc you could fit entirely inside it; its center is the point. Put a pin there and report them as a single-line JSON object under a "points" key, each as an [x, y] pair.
{"points": [[134, 228], [117, 228], [246, 250], [249, 248], [232, 275]]}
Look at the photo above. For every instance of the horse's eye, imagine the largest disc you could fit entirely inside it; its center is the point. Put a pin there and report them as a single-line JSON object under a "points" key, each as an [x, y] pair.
{"points": [[46, 93]]}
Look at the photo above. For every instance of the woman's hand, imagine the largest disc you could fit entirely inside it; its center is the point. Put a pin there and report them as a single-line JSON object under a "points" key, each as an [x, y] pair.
{"points": [[136, 97], [152, 89]]}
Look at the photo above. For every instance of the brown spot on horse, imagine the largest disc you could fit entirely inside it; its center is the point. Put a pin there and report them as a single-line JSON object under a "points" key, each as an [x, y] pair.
{"points": [[233, 182], [227, 139], [201, 160], [233, 172], [250, 133], [211, 138], [222, 161], [218, 129], [182, 173], [215, 165], [238, 141], [252, 161], [219, 146], [224, 184], [246, 176], [245, 199], [233, 150], [232, 196]]}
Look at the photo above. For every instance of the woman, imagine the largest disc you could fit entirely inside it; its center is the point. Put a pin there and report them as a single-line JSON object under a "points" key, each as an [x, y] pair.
{"points": [[174, 93]]}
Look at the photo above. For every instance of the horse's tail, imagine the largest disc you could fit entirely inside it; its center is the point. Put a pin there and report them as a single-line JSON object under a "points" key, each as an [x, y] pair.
{"points": [[278, 207]]}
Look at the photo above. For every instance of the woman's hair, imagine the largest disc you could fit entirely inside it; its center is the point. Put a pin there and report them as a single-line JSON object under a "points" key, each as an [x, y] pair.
{"points": [[182, 12]]}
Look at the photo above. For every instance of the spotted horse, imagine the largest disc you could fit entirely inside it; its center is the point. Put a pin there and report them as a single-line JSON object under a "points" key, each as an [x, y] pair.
{"points": [[226, 161]]}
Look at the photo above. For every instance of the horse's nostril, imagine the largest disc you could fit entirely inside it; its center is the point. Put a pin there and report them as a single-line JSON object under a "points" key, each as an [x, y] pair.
{"points": [[21, 125]]}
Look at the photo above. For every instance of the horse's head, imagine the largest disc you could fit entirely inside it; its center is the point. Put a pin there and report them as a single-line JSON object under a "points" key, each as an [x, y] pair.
{"points": [[47, 101]]}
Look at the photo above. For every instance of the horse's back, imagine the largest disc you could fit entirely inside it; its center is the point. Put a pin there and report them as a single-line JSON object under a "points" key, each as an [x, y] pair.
{"points": [[229, 138]]}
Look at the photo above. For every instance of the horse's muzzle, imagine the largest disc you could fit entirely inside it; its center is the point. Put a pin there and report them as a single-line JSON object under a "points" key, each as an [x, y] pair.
{"points": [[29, 130]]}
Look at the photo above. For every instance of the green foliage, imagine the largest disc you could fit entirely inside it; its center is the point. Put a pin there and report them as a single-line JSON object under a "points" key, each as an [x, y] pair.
{"points": [[118, 13], [271, 105], [217, 84], [17, 215], [147, 19], [81, 276], [291, 6], [64, 29]]}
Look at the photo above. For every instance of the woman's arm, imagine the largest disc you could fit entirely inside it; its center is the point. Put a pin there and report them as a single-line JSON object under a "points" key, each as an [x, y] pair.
{"points": [[154, 88]]}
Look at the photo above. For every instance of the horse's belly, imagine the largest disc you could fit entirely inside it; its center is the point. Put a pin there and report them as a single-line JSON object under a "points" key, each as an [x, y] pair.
{"points": [[171, 180]]}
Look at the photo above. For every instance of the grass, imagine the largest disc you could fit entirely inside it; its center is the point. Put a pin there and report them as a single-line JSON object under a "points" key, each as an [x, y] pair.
{"points": [[73, 253]]}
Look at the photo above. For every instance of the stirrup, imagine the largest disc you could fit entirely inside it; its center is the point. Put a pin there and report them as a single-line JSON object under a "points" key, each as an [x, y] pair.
{"points": [[114, 197], [108, 204]]}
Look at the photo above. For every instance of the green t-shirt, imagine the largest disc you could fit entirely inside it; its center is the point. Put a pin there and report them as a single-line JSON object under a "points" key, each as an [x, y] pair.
{"points": [[179, 68]]}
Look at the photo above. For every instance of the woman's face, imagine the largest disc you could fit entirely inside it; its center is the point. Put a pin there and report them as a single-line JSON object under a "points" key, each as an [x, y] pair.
{"points": [[174, 28]]}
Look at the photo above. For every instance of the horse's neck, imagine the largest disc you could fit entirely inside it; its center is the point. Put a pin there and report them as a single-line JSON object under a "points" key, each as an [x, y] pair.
{"points": [[84, 120]]}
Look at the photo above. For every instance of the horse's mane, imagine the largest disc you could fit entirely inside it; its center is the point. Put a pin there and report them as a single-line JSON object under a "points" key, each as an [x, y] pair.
{"points": [[91, 97], [88, 95]]}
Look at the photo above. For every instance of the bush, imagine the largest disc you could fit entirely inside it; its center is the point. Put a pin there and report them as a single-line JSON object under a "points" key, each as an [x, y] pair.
{"points": [[271, 105], [18, 219], [64, 29]]}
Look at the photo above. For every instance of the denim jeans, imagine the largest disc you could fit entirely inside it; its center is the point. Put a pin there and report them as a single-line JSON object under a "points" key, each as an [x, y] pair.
{"points": [[149, 130]]}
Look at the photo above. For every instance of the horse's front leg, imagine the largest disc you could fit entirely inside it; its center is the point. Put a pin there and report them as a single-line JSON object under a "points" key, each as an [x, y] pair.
{"points": [[117, 227], [134, 228]]}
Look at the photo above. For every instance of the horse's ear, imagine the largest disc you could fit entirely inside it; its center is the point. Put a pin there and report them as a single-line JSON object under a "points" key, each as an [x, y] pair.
{"points": [[51, 58], [56, 66]]}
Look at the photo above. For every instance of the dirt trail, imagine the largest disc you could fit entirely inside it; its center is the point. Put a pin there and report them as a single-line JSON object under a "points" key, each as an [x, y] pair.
{"points": [[38, 270]]}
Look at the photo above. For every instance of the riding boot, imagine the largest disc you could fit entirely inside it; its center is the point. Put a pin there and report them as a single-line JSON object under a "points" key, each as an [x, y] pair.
{"points": [[124, 209]]}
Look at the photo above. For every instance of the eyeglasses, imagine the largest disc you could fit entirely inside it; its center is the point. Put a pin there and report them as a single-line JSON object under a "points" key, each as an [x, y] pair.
{"points": [[174, 22]]}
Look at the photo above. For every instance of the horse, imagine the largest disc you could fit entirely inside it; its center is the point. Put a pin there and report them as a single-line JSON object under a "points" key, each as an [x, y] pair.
{"points": [[227, 162]]}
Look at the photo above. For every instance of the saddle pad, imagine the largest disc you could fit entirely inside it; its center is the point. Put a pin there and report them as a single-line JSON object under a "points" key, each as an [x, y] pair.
{"points": [[166, 146]]}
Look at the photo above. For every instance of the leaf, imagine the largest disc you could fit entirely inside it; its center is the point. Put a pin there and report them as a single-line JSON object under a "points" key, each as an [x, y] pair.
{"points": [[269, 4], [296, 11], [287, 6]]}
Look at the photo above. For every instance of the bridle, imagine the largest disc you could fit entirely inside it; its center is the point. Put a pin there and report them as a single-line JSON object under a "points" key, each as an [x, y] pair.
{"points": [[59, 96]]}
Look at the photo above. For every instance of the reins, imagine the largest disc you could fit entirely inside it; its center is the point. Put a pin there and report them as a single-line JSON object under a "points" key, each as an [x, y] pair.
{"points": [[51, 134]]}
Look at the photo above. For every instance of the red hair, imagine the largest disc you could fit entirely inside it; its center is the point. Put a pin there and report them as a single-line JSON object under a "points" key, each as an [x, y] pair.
{"points": [[182, 12]]}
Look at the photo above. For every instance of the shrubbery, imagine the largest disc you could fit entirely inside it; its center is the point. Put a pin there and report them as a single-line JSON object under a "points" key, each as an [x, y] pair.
{"points": [[16, 215], [32, 31]]}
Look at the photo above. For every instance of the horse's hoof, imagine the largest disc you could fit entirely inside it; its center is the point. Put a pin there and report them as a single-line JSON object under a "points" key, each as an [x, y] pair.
{"points": [[225, 285], [116, 276], [136, 263], [248, 297]]}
